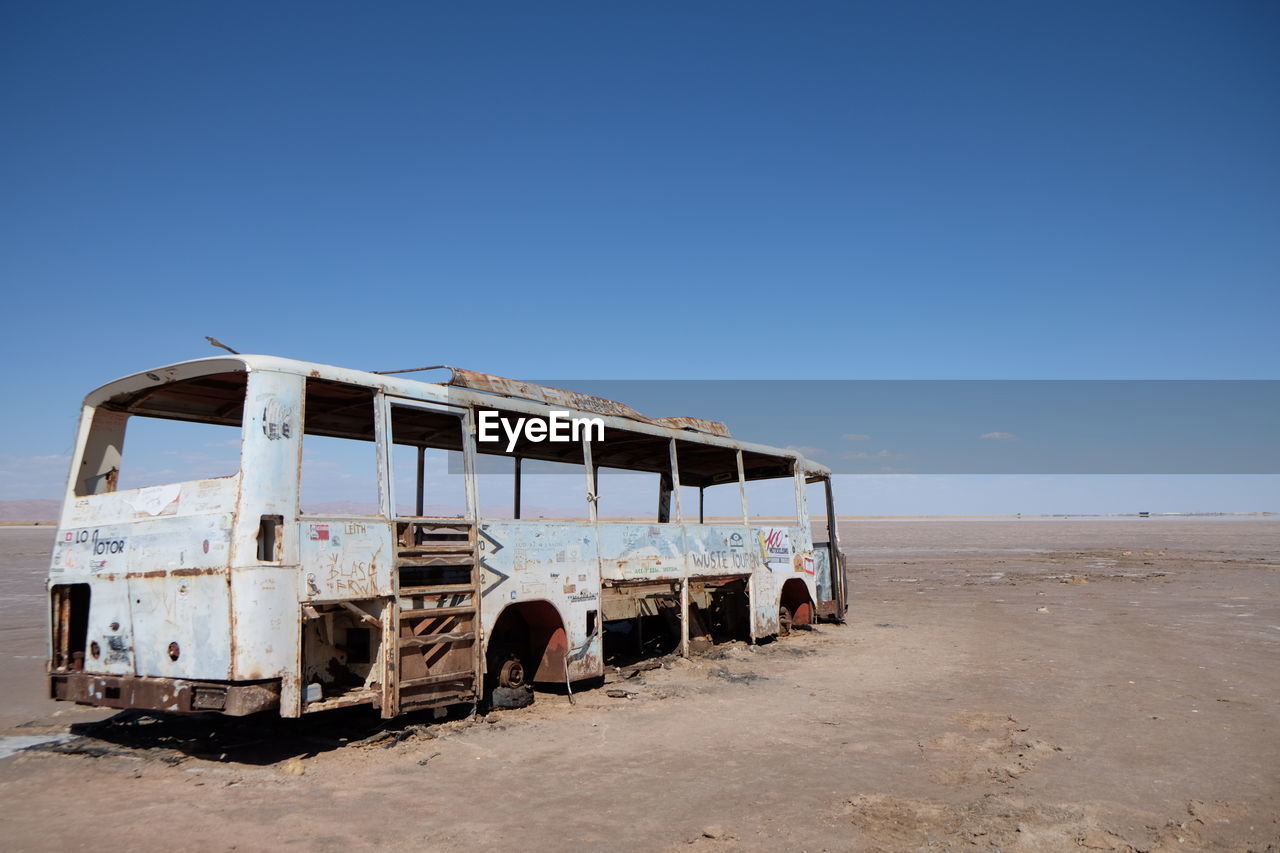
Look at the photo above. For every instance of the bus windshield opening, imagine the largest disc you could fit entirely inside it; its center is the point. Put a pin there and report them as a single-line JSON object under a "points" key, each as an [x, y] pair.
{"points": [[177, 432]]}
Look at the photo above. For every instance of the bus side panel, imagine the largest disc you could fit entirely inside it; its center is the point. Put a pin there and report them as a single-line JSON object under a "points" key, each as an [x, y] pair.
{"points": [[634, 552], [264, 611], [271, 459], [181, 626], [344, 559], [765, 592], [784, 553], [110, 626], [178, 595], [552, 561], [803, 564], [178, 500], [159, 581], [715, 550], [773, 545], [152, 547]]}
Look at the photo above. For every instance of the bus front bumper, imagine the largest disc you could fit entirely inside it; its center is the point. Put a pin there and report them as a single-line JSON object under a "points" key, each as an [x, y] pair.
{"points": [[174, 695]]}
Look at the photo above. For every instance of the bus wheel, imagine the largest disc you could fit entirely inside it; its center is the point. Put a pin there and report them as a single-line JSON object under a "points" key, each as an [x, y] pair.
{"points": [[784, 621], [511, 673], [506, 686]]}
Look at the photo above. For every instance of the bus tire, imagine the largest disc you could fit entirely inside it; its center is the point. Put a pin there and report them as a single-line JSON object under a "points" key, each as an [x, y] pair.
{"points": [[511, 697]]}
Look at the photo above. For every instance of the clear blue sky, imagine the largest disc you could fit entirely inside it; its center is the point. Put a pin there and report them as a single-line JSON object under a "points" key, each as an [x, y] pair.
{"points": [[735, 190]]}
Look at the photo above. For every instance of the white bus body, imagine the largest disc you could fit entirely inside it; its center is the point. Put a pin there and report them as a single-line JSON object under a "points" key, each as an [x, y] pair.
{"points": [[226, 595]]}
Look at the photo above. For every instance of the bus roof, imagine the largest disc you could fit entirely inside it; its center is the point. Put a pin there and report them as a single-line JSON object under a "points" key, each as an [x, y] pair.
{"points": [[472, 387]]}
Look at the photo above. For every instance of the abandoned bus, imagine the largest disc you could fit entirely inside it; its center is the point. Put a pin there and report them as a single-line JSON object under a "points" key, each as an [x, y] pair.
{"points": [[236, 594]]}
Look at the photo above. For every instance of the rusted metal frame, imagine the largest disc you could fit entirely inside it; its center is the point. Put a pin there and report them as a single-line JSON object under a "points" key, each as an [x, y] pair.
{"points": [[443, 612], [64, 618], [723, 580], [420, 503], [73, 485], [425, 553], [438, 639], [469, 465], [162, 694], [360, 614], [806, 525], [675, 479], [441, 678], [592, 482], [465, 416], [382, 435], [674, 454], [389, 700], [834, 557], [593, 515], [684, 615], [62, 628], [359, 696], [412, 370], [473, 514], [465, 425], [515, 509], [746, 521], [292, 691], [664, 500], [802, 505], [637, 589], [702, 504]]}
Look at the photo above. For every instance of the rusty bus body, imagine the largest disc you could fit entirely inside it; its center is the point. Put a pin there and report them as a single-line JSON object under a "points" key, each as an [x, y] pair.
{"points": [[224, 595]]}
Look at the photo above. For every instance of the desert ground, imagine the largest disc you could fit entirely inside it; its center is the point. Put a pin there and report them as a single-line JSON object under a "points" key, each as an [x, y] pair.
{"points": [[1034, 685]]}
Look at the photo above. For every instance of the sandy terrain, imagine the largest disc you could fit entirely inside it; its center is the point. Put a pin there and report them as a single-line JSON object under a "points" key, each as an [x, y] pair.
{"points": [[1013, 685]]}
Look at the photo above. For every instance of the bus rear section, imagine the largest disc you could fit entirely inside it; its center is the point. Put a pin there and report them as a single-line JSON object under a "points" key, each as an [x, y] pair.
{"points": [[160, 592]]}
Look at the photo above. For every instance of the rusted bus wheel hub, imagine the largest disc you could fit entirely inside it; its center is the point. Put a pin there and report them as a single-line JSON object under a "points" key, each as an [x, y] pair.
{"points": [[511, 674]]}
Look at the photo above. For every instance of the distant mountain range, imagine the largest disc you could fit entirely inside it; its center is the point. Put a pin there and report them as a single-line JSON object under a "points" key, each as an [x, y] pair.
{"points": [[32, 510]]}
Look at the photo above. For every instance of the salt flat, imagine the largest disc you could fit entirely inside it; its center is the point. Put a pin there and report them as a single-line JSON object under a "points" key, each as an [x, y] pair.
{"points": [[1011, 684]]}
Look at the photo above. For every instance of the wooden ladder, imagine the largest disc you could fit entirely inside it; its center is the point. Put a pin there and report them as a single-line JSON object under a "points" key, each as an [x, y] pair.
{"points": [[438, 651]]}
